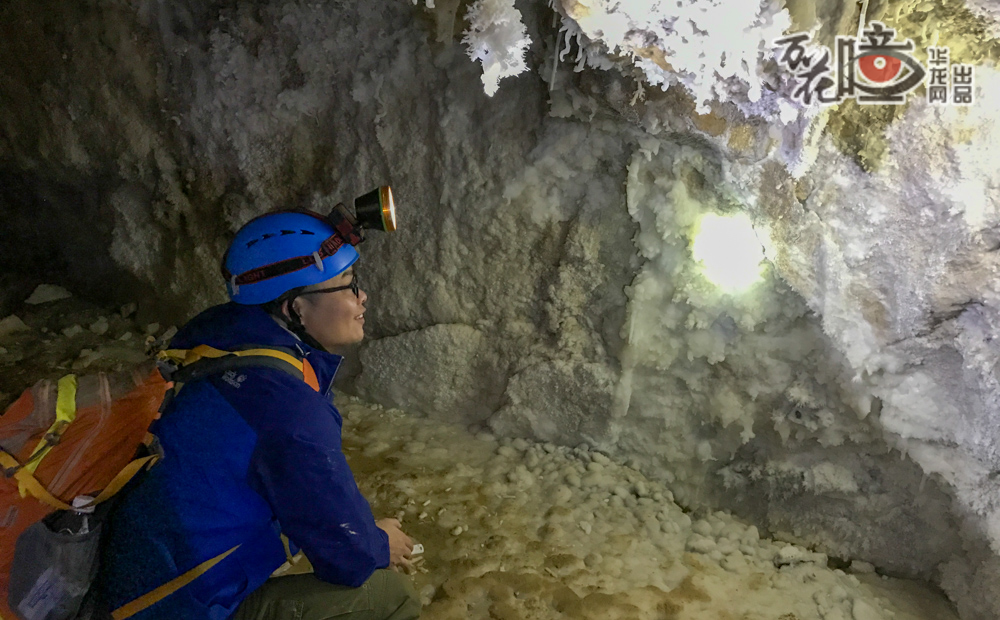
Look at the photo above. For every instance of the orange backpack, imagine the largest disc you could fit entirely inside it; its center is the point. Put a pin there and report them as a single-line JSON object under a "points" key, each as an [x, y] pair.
{"points": [[67, 439], [71, 445]]}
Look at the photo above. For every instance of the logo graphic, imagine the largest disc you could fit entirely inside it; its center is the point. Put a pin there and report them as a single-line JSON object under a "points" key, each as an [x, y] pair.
{"points": [[233, 379], [878, 70]]}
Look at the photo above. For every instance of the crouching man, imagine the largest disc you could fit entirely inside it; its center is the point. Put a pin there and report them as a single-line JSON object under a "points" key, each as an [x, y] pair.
{"points": [[253, 469]]}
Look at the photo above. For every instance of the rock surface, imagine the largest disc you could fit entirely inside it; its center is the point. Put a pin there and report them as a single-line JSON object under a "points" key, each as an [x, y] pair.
{"points": [[543, 281]]}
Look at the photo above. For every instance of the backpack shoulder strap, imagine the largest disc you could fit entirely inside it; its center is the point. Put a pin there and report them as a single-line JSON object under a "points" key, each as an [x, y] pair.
{"points": [[185, 365]]}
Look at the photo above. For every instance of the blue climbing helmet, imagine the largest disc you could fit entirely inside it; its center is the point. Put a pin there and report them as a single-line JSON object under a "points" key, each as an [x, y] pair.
{"points": [[278, 252], [281, 251]]}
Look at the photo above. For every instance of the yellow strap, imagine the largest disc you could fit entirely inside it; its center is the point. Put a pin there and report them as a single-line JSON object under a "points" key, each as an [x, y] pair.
{"points": [[190, 356], [151, 598], [28, 482], [293, 563], [34, 488], [127, 473], [66, 401], [65, 414]]}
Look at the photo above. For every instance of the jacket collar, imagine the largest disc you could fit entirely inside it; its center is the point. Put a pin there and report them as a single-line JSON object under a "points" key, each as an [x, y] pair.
{"points": [[230, 326]]}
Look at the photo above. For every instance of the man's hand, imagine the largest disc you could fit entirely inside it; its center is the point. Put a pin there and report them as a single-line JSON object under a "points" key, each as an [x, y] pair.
{"points": [[400, 545]]}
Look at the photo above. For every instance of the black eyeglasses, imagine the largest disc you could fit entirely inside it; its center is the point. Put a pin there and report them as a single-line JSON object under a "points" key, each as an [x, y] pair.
{"points": [[353, 286]]}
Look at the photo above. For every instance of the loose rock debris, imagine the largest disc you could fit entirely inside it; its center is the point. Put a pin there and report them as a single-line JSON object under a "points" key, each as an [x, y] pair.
{"points": [[44, 293], [518, 530], [64, 334]]}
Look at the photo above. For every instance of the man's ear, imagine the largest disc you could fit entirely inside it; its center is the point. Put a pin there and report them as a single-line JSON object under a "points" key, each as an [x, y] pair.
{"points": [[294, 305]]}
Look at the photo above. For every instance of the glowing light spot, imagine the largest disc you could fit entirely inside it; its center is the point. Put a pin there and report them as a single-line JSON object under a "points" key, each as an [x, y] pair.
{"points": [[728, 251]]}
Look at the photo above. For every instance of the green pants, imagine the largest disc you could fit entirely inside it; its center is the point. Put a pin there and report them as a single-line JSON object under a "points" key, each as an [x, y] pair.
{"points": [[385, 596]]}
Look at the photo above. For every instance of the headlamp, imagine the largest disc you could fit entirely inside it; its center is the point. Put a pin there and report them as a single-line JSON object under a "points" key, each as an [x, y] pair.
{"points": [[375, 210]]}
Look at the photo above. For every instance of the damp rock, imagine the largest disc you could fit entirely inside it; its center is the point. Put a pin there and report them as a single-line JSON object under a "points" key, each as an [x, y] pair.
{"points": [[87, 357], [734, 563], [726, 546], [862, 610], [750, 536], [152, 328], [562, 495], [124, 354], [376, 448], [44, 293], [168, 335], [427, 594], [701, 544], [128, 310], [100, 326], [702, 527], [72, 330], [790, 555], [10, 356], [12, 325]]}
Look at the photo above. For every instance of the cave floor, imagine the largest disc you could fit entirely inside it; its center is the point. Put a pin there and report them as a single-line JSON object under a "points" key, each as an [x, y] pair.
{"points": [[517, 530]]}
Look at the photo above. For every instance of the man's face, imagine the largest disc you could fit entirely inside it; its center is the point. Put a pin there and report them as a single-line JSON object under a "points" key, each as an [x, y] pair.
{"points": [[334, 319]]}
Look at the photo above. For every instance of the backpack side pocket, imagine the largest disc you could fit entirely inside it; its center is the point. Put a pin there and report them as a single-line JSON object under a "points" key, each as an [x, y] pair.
{"points": [[55, 562]]}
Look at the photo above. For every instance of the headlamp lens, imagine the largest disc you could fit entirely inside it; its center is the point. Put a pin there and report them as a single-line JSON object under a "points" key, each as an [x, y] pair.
{"points": [[388, 209], [376, 209]]}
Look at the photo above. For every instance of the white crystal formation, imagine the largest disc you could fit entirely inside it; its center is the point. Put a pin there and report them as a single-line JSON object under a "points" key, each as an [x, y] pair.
{"points": [[498, 39]]}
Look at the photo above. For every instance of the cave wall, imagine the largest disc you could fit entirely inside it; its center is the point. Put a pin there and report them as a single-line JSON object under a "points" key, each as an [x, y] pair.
{"points": [[541, 284], [168, 127]]}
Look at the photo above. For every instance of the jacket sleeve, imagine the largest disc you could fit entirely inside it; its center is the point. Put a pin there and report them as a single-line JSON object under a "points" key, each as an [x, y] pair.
{"points": [[298, 467]]}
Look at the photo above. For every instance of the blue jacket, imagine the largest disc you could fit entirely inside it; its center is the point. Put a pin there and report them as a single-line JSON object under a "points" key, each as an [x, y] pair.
{"points": [[248, 455]]}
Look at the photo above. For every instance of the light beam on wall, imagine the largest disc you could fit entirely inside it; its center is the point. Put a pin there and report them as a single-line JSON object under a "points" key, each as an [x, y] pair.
{"points": [[728, 251]]}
